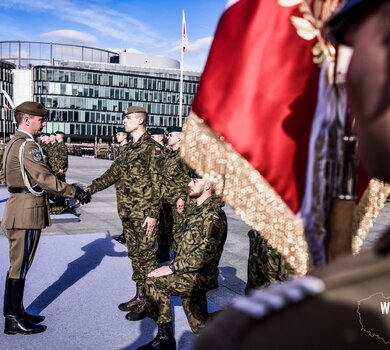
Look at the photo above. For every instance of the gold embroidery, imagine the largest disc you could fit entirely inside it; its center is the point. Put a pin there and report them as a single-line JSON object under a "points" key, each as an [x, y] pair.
{"points": [[372, 201], [246, 191], [314, 15]]}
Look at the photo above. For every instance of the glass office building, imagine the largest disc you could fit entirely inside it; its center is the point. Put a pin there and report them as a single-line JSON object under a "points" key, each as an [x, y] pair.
{"points": [[88, 99], [86, 92], [7, 126]]}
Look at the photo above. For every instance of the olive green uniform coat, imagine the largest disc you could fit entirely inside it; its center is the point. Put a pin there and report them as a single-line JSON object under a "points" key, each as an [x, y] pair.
{"points": [[26, 214]]}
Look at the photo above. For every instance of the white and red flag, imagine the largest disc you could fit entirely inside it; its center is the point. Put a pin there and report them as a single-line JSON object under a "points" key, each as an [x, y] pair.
{"points": [[184, 37]]}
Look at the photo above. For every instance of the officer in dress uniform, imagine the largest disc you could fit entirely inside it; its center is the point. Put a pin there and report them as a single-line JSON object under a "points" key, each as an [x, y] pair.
{"points": [[26, 212], [194, 270], [344, 305]]}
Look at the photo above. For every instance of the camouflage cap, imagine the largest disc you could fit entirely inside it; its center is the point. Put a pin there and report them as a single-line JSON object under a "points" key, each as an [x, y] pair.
{"points": [[32, 108], [120, 129], [134, 109], [339, 23], [174, 129], [156, 131]]}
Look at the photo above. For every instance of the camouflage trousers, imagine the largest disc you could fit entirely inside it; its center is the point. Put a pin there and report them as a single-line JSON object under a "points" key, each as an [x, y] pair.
{"points": [[140, 249], [194, 301], [169, 233], [265, 264]]}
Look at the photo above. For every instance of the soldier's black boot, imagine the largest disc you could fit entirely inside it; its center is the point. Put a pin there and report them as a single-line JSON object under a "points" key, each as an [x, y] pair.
{"points": [[164, 339], [15, 320], [129, 305], [31, 318], [138, 312], [120, 238]]}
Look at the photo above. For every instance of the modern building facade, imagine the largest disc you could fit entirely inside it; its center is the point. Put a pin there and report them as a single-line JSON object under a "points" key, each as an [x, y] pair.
{"points": [[7, 126], [86, 92]]}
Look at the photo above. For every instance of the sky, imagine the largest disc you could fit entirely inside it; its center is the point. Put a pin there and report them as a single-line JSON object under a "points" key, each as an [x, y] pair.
{"points": [[151, 27]]}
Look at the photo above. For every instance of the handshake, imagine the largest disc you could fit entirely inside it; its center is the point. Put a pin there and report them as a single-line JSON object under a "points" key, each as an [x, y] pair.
{"points": [[82, 196]]}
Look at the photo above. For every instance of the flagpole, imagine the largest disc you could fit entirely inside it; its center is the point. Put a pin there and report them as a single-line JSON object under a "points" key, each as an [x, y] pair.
{"points": [[181, 73]]}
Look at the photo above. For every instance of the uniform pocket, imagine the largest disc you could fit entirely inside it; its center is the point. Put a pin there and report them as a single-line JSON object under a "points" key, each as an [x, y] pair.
{"points": [[33, 214]]}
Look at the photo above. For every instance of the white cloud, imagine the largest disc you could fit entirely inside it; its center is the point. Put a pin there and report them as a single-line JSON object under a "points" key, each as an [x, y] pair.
{"points": [[72, 36]]}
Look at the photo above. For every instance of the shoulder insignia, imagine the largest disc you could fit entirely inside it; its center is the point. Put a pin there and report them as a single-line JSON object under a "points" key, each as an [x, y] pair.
{"points": [[158, 150], [263, 302], [36, 154]]}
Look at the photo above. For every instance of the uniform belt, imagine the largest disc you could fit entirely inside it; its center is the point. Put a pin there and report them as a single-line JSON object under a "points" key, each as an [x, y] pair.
{"points": [[22, 189]]}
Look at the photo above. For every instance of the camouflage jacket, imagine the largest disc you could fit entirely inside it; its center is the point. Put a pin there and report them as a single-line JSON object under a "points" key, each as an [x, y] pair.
{"points": [[204, 233], [60, 161], [51, 157], [175, 178], [136, 172], [121, 190]]}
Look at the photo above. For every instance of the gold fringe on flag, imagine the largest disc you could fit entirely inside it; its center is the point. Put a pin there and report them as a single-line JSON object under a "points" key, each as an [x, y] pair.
{"points": [[246, 191], [371, 203]]}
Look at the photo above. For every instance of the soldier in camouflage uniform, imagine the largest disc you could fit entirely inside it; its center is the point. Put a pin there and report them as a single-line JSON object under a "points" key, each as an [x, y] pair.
{"points": [[61, 154], [194, 270], [163, 244], [174, 192], [265, 264], [122, 137], [138, 170], [58, 160]]}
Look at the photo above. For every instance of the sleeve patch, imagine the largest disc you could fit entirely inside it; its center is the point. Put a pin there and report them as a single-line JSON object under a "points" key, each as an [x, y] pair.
{"points": [[37, 155]]}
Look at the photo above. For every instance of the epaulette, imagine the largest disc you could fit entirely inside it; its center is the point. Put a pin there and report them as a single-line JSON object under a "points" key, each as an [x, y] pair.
{"points": [[262, 302]]}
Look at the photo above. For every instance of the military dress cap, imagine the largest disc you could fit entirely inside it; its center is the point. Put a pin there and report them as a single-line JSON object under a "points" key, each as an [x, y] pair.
{"points": [[32, 108], [174, 129], [134, 109], [120, 129], [338, 24], [60, 133], [156, 131]]}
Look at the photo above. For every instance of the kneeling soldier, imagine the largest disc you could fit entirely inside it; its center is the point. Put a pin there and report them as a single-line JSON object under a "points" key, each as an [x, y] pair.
{"points": [[194, 270]]}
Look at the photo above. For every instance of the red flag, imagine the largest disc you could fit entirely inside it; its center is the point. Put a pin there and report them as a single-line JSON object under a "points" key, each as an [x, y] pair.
{"points": [[262, 97], [256, 101]]}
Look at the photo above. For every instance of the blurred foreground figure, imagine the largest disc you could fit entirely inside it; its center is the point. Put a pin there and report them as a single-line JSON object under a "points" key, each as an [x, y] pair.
{"points": [[344, 305]]}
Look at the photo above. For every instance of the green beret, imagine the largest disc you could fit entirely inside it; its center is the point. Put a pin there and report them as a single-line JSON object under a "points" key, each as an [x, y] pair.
{"points": [[339, 23], [134, 109], [60, 133], [53, 133], [156, 131], [193, 175], [174, 129], [121, 129], [32, 108]]}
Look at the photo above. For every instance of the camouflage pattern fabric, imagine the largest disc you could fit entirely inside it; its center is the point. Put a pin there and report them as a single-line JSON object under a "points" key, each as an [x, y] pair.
{"points": [[120, 186], [194, 301], [175, 181], [265, 264], [195, 266], [175, 178], [136, 172], [2, 149], [140, 249]]}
